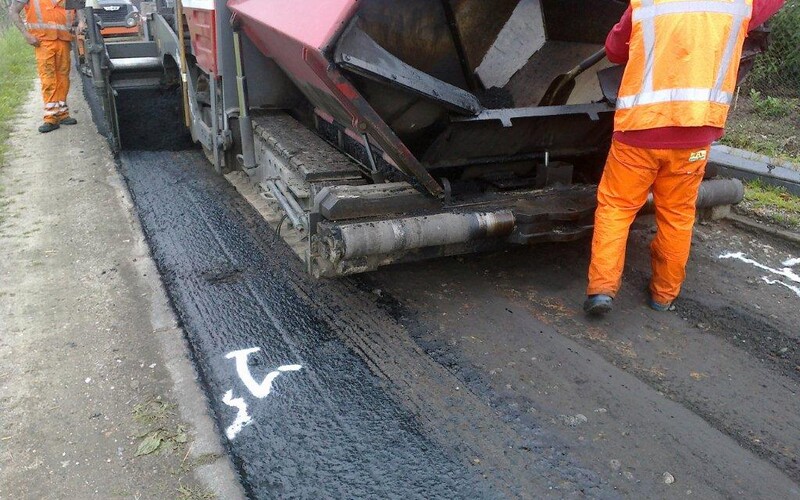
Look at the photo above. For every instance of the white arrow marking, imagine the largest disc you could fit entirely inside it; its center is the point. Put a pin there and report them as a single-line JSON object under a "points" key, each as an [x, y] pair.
{"points": [[242, 417], [259, 390]]}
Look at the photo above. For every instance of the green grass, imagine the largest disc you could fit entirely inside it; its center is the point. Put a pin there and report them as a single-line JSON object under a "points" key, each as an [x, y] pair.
{"points": [[773, 204], [17, 70], [773, 107], [778, 70]]}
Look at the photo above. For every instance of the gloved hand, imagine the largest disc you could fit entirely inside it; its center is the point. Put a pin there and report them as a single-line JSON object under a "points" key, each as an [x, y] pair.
{"points": [[32, 40]]}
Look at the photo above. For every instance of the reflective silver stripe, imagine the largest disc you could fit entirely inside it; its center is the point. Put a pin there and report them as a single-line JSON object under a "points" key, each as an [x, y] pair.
{"points": [[688, 7], [727, 57], [646, 14], [649, 35], [51, 113], [38, 9], [41, 25], [674, 95], [51, 105], [48, 26]]}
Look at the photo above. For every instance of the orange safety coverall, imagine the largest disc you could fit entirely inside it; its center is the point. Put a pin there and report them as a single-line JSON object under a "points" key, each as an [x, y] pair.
{"points": [[674, 176], [674, 84], [50, 22]]}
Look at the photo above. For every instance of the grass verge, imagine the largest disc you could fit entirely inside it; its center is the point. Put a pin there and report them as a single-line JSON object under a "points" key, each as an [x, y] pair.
{"points": [[771, 204], [17, 70], [766, 125]]}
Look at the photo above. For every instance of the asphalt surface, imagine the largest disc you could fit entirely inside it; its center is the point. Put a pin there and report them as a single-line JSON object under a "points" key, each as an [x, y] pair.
{"points": [[328, 429], [707, 393], [479, 377]]}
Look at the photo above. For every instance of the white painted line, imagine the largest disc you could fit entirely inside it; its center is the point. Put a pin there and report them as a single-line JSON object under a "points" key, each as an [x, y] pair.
{"points": [[242, 417], [795, 289], [263, 389], [786, 272]]}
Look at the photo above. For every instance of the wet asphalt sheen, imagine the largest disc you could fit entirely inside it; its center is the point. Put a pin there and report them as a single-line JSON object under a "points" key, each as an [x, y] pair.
{"points": [[327, 429]]}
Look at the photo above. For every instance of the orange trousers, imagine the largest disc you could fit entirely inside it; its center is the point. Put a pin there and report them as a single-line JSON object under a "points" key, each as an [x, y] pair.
{"points": [[631, 173], [53, 63]]}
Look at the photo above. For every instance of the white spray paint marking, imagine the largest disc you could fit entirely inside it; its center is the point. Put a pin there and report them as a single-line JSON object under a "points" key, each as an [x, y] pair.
{"points": [[242, 417], [259, 390], [786, 272], [791, 262], [795, 289]]}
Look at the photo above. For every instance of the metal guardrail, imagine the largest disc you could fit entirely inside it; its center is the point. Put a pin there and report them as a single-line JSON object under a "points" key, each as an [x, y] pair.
{"points": [[745, 165]]}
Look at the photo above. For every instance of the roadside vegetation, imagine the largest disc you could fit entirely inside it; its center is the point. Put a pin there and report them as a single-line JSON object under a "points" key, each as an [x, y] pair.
{"points": [[771, 204], [766, 114], [777, 72], [766, 125], [17, 70], [765, 118]]}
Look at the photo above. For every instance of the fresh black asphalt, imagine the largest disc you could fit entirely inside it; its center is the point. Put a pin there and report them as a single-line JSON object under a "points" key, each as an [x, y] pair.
{"points": [[327, 430]]}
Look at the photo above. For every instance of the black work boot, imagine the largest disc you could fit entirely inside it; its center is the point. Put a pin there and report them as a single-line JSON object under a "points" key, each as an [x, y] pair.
{"points": [[660, 307], [598, 305], [68, 121], [48, 127]]}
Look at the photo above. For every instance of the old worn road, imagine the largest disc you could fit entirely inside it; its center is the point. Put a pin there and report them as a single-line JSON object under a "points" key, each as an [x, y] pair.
{"points": [[479, 377]]}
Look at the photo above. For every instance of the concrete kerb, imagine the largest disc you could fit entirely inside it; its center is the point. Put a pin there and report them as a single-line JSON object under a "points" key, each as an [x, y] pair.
{"points": [[749, 166], [745, 165], [218, 473], [755, 226], [219, 476]]}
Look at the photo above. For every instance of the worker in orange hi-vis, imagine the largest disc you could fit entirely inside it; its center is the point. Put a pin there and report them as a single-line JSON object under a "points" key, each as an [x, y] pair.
{"points": [[48, 28], [682, 64]]}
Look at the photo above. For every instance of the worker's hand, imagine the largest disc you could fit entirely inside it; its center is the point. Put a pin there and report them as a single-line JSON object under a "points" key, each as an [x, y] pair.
{"points": [[32, 40]]}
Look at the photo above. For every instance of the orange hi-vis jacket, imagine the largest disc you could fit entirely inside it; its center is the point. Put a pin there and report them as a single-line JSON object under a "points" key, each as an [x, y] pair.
{"points": [[49, 20], [684, 61]]}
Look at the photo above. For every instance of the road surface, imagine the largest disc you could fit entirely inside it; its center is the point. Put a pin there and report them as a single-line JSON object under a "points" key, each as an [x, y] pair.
{"points": [[479, 377]]}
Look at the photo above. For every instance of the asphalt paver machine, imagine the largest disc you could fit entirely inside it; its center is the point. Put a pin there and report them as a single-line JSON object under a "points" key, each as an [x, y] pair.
{"points": [[386, 131]]}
